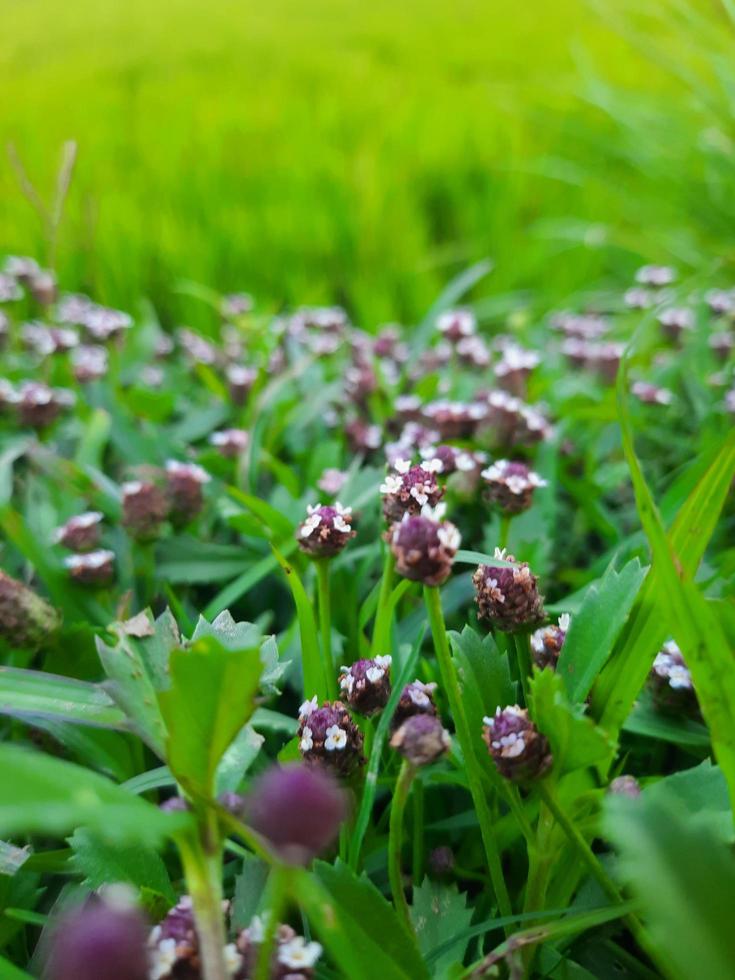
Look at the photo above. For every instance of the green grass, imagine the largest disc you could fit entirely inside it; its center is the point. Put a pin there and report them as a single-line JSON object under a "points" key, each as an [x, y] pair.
{"points": [[363, 153]]}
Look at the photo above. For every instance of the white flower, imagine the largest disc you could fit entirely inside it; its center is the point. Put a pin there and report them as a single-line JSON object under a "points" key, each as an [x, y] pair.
{"points": [[402, 465], [449, 536], [511, 745], [256, 929], [310, 525], [434, 513], [307, 742], [162, 959], [419, 495], [564, 621], [92, 559], [500, 554], [384, 661], [419, 693], [339, 524], [233, 960], [344, 511], [374, 674], [297, 954], [131, 488], [432, 465], [189, 470], [308, 706], [336, 738], [391, 484]]}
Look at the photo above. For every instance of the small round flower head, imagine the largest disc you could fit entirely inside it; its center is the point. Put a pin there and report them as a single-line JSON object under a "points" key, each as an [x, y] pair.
{"points": [[43, 287], [510, 485], [91, 568], [424, 546], [547, 641], [721, 344], [329, 737], [26, 620], [671, 680], [441, 862], [240, 380], [625, 786], [105, 324], [293, 957], [513, 369], [89, 363], [655, 276], [410, 488], [605, 358], [675, 321], [363, 438], [236, 304], [298, 809], [638, 298], [331, 481], [38, 405], [582, 326], [80, 533], [100, 940], [144, 509], [520, 752], [651, 394], [721, 302], [184, 482], [455, 420], [473, 352], [365, 685], [421, 739], [416, 698], [230, 442], [326, 530], [173, 945], [507, 595], [22, 268], [456, 324]]}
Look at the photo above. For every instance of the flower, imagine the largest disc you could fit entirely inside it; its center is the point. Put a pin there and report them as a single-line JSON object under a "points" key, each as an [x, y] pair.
{"points": [[230, 442], [671, 680], [655, 276], [297, 953], [421, 739], [456, 324], [625, 786], [293, 959], [507, 595], [424, 546], [651, 394], [80, 533], [89, 363], [514, 367], [184, 482], [416, 698], [91, 568], [328, 737], [410, 488], [144, 509], [298, 809], [366, 684], [520, 752], [326, 530], [240, 380], [38, 405], [26, 620], [331, 481], [510, 485], [675, 321], [455, 420], [546, 642]]}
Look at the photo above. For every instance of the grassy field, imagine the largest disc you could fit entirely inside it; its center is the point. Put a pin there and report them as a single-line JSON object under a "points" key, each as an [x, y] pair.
{"points": [[366, 153]]}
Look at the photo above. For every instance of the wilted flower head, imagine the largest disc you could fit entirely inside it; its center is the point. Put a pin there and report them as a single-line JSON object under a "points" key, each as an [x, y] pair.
{"points": [[365, 685], [91, 568], [298, 809], [421, 739], [326, 530], [26, 620], [184, 482], [507, 595], [510, 485], [655, 276], [625, 786], [456, 324], [417, 698], [329, 737], [651, 394], [80, 533], [230, 442], [145, 508], [546, 642], [424, 545], [98, 941], [520, 752], [410, 488]]}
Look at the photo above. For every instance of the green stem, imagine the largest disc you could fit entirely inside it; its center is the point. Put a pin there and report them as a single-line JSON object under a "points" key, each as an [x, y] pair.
{"points": [[540, 859], [325, 623], [504, 530], [519, 644], [278, 885], [588, 858], [381, 629], [464, 735], [418, 832], [395, 840], [204, 884]]}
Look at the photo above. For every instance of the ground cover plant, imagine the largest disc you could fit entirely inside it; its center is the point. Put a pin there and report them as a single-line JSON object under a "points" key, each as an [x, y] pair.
{"points": [[333, 653]]}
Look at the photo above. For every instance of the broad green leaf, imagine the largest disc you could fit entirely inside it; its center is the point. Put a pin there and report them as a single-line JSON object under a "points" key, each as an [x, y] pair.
{"points": [[210, 699], [239, 636], [10, 972], [484, 674], [249, 888], [101, 862], [280, 526], [595, 628], [440, 913], [237, 759], [699, 793], [273, 721], [45, 795], [685, 877], [647, 720], [33, 694], [190, 561]]}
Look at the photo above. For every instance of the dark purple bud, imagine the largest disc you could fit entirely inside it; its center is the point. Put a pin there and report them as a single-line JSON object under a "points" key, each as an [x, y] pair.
{"points": [[410, 488], [365, 685], [424, 546], [546, 643], [507, 595], [145, 508], [80, 533], [441, 862], [94, 568], [184, 483], [416, 698], [98, 942], [298, 808], [326, 530], [421, 740], [520, 752], [510, 485], [625, 786]]}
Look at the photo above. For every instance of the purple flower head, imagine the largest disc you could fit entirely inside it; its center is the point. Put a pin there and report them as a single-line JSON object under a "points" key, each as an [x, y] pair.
{"points": [[410, 488], [362, 437], [144, 509], [80, 533], [329, 737], [671, 680], [625, 786], [456, 324], [293, 958], [365, 685], [721, 302], [651, 394], [547, 641], [89, 363], [184, 483], [655, 276], [421, 739], [331, 481], [326, 530], [240, 380], [520, 752], [510, 485], [230, 442], [236, 304], [455, 420], [416, 698], [675, 321], [26, 620], [92, 567], [38, 405], [298, 808], [507, 595], [424, 546]]}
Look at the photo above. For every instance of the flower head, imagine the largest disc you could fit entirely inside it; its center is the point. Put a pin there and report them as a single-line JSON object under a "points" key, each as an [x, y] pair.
{"points": [[26, 620], [546, 642], [456, 324], [230, 442], [507, 595], [671, 680], [184, 482], [329, 737], [510, 485], [424, 546], [144, 509], [520, 752], [417, 698], [92, 567], [421, 739], [365, 685], [80, 533], [326, 530], [409, 488]]}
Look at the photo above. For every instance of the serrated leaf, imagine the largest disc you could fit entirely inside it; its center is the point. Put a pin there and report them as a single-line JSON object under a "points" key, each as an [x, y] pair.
{"points": [[484, 674], [595, 628], [439, 913], [210, 699], [101, 862], [240, 636]]}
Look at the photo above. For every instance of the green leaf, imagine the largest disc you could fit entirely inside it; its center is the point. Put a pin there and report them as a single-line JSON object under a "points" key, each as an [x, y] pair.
{"points": [[595, 628], [190, 561], [33, 694], [700, 794], [647, 720], [210, 699], [576, 742], [685, 877], [237, 759], [41, 794], [439, 913], [249, 889], [10, 972], [239, 636], [101, 862], [484, 673]]}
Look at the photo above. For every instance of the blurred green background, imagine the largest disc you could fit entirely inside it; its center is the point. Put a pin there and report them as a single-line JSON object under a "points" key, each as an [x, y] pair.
{"points": [[366, 152]]}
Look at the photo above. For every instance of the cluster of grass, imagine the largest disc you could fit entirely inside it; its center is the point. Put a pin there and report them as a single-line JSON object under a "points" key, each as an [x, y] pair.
{"points": [[364, 153]]}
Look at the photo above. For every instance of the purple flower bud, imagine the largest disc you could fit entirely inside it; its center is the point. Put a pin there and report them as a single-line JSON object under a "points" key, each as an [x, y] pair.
{"points": [[92, 568], [38, 405], [546, 643], [416, 698], [366, 684], [510, 485], [441, 862], [329, 737], [230, 442], [456, 324], [98, 942], [145, 508], [625, 786], [26, 620], [326, 530], [508, 596], [298, 808], [410, 488], [80, 533], [424, 546], [184, 482], [240, 380], [421, 740], [520, 752]]}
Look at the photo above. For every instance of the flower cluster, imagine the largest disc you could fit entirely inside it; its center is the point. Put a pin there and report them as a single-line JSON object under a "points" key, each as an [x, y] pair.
{"points": [[410, 488], [365, 685], [326, 530], [520, 752], [546, 642], [329, 737], [510, 485], [507, 595], [424, 546]]}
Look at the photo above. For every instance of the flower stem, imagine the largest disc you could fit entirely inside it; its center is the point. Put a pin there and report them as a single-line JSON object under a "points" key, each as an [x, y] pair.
{"points": [[519, 644], [418, 832], [203, 880], [505, 520], [325, 622], [395, 840], [278, 885], [381, 629], [464, 735]]}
